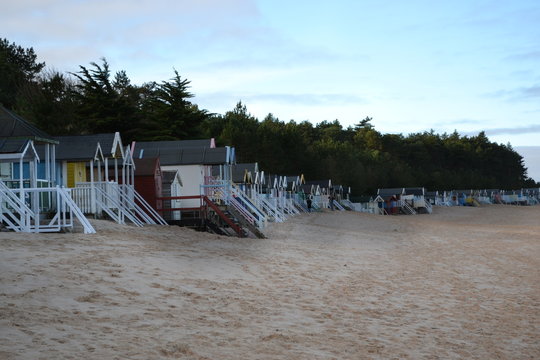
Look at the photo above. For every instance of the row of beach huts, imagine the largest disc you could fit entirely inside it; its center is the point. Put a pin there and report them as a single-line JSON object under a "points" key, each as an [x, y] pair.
{"points": [[52, 183], [55, 183], [417, 200]]}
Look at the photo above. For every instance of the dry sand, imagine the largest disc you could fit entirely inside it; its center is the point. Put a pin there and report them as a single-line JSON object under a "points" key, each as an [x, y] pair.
{"points": [[462, 283]]}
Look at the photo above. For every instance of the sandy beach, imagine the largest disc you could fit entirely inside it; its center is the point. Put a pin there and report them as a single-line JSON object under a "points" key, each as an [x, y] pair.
{"points": [[461, 283]]}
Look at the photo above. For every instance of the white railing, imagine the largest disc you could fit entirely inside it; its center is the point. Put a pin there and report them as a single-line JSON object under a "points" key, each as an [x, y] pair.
{"points": [[338, 205], [106, 198], [120, 202], [224, 191], [429, 207], [406, 207], [128, 194], [235, 203], [149, 209], [55, 201], [263, 206], [347, 203], [14, 211], [66, 200], [267, 207]]}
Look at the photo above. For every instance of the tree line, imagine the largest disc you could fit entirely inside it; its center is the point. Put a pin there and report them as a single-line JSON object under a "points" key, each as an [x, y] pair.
{"points": [[94, 100]]}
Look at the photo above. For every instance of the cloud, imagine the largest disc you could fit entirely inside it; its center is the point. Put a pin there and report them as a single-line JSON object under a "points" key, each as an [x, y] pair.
{"points": [[530, 92], [462, 122], [517, 94], [533, 55], [289, 99], [509, 131], [124, 26]]}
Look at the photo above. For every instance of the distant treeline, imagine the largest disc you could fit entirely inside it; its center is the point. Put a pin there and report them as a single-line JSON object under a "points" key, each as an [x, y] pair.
{"points": [[93, 100]]}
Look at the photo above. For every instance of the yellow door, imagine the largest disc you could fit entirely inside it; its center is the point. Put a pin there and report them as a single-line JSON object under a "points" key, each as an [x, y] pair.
{"points": [[76, 172]]}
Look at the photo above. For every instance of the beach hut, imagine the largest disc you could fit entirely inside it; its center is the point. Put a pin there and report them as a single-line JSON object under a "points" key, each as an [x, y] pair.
{"points": [[194, 164], [100, 171], [171, 187], [242, 173], [432, 197], [148, 181], [14, 128], [484, 196], [97, 156], [395, 198], [321, 192], [415, 197], [30, 200], [387, 204], [366, 204], [533, 195]]}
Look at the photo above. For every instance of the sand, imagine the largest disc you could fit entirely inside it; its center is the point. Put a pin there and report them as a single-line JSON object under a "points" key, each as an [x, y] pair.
{"points": [[461, 283]]}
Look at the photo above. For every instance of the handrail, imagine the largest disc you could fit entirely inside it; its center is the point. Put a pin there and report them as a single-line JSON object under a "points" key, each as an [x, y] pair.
{"points": [[149, 208], [222, 215], [338, 205], [117, 205], [251, 206], [26, 214], [68, 200]]}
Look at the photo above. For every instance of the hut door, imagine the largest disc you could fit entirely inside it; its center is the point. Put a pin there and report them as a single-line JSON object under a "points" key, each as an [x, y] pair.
{"points": [[76, 172]]}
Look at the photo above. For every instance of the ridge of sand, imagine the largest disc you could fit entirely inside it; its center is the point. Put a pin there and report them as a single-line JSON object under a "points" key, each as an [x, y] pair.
{"points": [[462, 283]]}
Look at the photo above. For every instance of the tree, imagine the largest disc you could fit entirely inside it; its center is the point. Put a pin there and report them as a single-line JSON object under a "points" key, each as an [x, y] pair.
{"points": [[49, 103], [107, 105], [168, 113], [240, 131], [18, 67]]}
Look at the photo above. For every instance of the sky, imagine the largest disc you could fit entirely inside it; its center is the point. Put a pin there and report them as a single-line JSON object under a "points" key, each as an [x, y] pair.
{"points": [[413, 66]]}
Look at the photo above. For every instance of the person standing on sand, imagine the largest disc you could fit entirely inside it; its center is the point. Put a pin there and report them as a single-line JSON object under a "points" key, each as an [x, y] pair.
{"points": [[331, 201], [308, 201]]}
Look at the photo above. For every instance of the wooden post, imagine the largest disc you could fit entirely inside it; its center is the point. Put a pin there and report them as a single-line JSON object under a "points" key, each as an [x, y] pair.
{"points": [[92, 189]]}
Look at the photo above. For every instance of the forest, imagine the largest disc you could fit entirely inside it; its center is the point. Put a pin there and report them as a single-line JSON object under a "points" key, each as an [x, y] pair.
{"points": [[94, 100]]}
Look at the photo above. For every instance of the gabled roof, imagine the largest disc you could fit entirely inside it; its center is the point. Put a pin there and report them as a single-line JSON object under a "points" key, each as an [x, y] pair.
{"points": [[466, 192], [390, 191], [153, 146], [83, 147], [323, 184], [306, 188], [11, 145], [146, 167], [14, 126], [17, 149], [187, 156], [239, 171], [413, 191], [170, 175]]}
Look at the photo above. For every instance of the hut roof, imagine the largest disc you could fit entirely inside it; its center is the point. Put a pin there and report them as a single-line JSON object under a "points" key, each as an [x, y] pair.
{"points": [[413, 191], [323, 184], [83, 147], [239, 170], [14, 126], [185, 156], [389, 191], [466, 192], [154, 146], [10, 145], [170, 175]]}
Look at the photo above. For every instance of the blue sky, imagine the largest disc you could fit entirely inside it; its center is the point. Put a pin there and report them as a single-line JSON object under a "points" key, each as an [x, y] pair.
{"points": [[411, 65]]}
